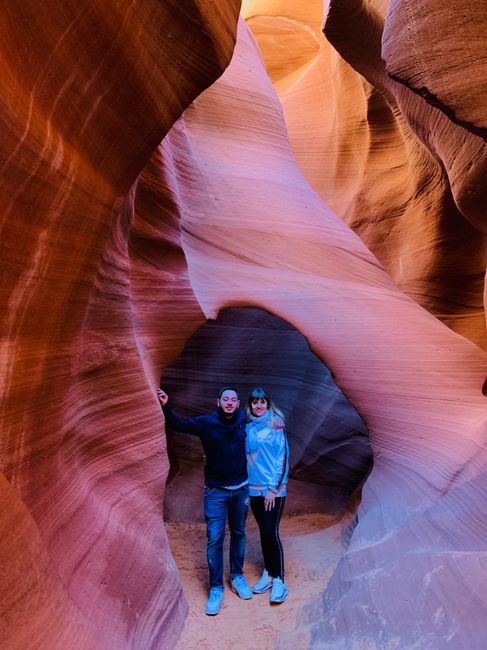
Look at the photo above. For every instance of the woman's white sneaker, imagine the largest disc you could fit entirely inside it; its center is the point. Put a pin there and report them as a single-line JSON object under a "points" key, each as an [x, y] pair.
{"points": [[263, 584], [278, 591]]}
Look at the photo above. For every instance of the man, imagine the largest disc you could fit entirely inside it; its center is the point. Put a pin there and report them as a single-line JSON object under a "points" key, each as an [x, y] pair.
{"points": [[226, 493]]}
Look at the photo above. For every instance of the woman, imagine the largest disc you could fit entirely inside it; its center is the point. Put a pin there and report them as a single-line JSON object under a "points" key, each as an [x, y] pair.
{"points": [[268, 466]]}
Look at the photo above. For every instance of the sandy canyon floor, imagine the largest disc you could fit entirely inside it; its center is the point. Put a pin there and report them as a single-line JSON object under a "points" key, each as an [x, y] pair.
{"points": [[312, 549]]}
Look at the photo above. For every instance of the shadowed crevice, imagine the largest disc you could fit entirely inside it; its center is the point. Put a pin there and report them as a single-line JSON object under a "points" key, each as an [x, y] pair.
{"points": [[433, 100]]}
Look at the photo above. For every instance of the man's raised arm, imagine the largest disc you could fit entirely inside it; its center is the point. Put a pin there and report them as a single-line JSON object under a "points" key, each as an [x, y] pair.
{"points": [[183, 425]]}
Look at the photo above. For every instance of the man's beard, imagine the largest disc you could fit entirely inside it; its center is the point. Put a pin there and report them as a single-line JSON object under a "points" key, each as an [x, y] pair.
{"points": [[227, 416]]}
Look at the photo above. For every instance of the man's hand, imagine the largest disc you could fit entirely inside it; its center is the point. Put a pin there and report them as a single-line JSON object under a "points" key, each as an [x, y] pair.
{"points": [[269, 500], [163, 397]]}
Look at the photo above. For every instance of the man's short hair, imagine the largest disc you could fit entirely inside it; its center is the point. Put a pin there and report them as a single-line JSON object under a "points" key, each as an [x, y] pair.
{"points": [[222, 390]]}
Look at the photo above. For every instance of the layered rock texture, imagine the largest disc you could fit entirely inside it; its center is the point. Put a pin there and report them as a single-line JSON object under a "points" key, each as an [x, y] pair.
{"points": [[88, 92], [116, 248], [417, 384], [387, 121]]}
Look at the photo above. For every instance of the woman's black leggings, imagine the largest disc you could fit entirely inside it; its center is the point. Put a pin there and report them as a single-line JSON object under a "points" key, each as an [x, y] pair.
{"points": [[268, 522]]}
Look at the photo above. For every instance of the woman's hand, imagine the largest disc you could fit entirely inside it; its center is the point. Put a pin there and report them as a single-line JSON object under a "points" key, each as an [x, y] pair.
{"points": [[163, 397], [269, 500]]}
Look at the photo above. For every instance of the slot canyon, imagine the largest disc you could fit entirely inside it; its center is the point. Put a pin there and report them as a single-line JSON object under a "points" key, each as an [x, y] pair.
{"points": [[281, 192]]}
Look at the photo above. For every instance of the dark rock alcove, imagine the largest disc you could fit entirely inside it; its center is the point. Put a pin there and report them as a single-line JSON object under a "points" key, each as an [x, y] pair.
{"points": [[244, 347]]}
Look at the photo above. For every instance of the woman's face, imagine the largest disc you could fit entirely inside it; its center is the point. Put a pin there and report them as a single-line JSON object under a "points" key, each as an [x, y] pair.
{"points": [[258, 406]]}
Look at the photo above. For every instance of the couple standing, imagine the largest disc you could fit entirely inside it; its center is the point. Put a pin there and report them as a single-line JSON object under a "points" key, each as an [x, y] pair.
{"points": [[246, 454]]}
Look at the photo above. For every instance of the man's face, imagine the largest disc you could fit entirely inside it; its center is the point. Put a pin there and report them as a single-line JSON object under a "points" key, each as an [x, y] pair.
{"points": [[228, 402]]}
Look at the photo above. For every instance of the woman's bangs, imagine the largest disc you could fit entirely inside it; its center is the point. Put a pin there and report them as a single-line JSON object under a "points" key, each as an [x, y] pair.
{"points": [[259, 393]]}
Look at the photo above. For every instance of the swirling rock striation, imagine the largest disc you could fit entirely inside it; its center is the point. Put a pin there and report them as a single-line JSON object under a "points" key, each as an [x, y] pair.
{"points": [[115, 250], [440, 63], [400, 172], [255, 234], [88, 92]]}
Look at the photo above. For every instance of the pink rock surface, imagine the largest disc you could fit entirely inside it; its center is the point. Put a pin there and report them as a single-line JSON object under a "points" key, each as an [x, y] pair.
{"points": [[437, 49], [398, 171], [89, 90], [254, 233], [101, 296]]}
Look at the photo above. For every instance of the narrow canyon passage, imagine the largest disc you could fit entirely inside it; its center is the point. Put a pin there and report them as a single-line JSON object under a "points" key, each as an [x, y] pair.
{"points": [[308, 178]]}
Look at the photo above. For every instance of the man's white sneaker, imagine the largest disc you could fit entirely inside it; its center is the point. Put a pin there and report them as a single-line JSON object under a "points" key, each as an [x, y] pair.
{"points": [[215, 601], [241, 588]]}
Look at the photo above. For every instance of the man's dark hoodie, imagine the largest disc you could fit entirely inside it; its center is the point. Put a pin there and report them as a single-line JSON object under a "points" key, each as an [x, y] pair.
{"points": [[223, 442]]}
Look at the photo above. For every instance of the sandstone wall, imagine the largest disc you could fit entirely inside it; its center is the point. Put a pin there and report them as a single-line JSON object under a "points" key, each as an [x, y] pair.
{"points": [[383, 114], [256, 234], [88, 92], [116, 247]]}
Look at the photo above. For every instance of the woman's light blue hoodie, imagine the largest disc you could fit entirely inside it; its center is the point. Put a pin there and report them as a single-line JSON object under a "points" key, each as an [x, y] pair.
{"points": [[267, 455]]}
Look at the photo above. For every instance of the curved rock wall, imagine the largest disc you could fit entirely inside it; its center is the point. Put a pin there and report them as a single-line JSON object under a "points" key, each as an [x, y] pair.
{"points": [[109, 270], [255, 234], [329, 451], [402, 174], [415, 54], [88, 92]]}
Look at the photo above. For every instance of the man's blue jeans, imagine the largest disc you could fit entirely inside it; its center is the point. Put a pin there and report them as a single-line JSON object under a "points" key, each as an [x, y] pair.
{"points": [[222, 504]]}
